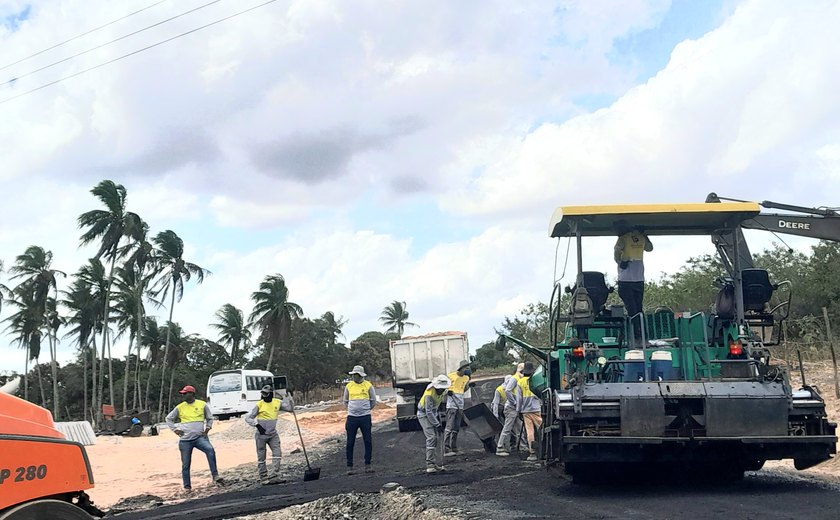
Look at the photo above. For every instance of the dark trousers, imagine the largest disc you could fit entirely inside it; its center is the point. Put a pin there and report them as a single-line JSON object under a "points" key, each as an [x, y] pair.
{"points": [[353, 425], [632, 294], [201, 444]]}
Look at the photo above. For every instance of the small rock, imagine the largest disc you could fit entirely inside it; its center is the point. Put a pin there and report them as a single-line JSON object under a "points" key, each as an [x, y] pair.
{"points": [[296, 450], [390, 486]]}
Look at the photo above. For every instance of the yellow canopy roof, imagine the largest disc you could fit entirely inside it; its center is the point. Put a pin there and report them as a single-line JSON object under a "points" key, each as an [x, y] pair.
{"points": [[655, 219]]}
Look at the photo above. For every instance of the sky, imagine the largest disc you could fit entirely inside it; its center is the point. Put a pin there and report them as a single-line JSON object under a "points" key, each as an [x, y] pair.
{"points": [[377, 151]]}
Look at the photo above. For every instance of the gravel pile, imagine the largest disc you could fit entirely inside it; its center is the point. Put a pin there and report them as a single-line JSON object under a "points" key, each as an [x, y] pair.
{"points": [[396, 505], [136, 503]]}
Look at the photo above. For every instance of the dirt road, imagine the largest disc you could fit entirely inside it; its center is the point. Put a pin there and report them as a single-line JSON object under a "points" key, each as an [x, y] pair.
{"points": [[481, 485]]}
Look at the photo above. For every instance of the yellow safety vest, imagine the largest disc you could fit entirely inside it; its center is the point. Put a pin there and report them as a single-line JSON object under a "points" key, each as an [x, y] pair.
{"points": [[191, 412], [633, 246], [358, 391], [459, 383], [430, 392], [525, 386], [501, 391], [268, 411]]}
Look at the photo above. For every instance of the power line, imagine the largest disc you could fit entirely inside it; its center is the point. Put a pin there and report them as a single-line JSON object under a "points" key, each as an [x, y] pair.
{"points": [[138, 51], [80, 35], [68, 58]]}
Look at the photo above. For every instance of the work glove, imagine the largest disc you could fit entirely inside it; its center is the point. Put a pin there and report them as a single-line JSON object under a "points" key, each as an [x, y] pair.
{"points": [[623, 264], [179, 433], [261, 429]]}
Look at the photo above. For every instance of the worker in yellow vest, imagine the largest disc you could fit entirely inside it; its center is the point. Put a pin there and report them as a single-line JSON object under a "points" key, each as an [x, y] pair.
{"points": [[194, 423], [455, 407], [528, 405], [428, 414], [499, 398], [359, 399], [263, 417], [629, 253]]}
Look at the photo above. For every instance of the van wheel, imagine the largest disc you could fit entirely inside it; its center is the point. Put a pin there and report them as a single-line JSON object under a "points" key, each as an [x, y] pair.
{"points": [[223, 417]]}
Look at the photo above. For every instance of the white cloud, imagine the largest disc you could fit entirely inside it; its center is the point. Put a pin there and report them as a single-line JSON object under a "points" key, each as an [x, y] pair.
{"points": [[743, 111]]}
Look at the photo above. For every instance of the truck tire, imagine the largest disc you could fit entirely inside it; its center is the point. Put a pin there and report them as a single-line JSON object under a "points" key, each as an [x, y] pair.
{"points": [[49, 508]]}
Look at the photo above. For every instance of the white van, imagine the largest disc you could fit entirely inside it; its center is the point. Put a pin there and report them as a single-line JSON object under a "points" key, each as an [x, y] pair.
{"points": [[233, 393]]}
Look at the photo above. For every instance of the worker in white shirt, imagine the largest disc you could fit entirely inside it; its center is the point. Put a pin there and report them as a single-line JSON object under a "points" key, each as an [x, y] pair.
{"points": [[263, 417]]}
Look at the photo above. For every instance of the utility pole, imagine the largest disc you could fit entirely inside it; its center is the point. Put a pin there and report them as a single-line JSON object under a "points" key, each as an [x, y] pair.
{"points": [[833, 356]]}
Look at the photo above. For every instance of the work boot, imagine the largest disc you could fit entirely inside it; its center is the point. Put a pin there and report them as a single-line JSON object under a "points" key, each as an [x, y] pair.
{"points": [[432, 469], [219, 481], [351, 471], [450, 453], [501, 452], [532, 458], [369, 468]]}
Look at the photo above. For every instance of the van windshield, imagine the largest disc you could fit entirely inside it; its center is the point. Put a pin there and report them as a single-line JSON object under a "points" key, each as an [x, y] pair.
{"points": [[225, 383]]}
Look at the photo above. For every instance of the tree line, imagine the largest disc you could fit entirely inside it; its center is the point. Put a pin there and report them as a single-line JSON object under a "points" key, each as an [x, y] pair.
{"points": [[107, 299]]}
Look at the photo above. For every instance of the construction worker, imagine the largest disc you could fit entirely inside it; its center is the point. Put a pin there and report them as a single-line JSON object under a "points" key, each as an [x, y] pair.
{"points": [[359, 399], [512, 423], [264, 418], [428, 413], [455, 407], [194, 423], [499, 399], [528, 405], [628, 254]]}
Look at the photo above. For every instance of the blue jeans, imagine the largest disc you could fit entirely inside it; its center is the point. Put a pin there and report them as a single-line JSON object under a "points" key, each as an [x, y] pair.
{"points": [[353, 425], [201, 444]]}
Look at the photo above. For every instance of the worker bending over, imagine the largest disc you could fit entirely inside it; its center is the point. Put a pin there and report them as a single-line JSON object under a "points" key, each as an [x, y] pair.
{"points": [[264, 418], [496, 406], [359, 399], [194, 423], [629, 253], [455, 407], [428, 414], [512, 424], [528, 405]]}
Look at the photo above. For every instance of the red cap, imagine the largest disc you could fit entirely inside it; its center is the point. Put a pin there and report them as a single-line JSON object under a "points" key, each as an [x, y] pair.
{"points": [[188, 388]]}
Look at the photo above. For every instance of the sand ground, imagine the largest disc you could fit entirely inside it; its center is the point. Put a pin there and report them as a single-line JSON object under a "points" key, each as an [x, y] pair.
{"points": [[125, 467]]}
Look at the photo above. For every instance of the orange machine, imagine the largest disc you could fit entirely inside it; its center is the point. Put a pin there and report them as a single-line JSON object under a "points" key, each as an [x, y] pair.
{"points": [[42, 475]]}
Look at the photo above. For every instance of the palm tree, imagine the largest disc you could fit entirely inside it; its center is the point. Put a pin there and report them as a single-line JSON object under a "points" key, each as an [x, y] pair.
{"points": [[109, 226], [26, 325], [92, 276], [84, 318], [233, 331], [169, 256], [153, 338], [141, 261], [125, 313], [395, 317], [273, 313], [334, 325], [38, 282]]}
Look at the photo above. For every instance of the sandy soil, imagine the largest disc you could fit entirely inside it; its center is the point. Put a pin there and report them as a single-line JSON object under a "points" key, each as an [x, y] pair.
{"points": [[152, 465]]}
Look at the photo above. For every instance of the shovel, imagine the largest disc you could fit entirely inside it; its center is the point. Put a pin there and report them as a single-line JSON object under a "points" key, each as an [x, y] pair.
{"points": [[310, 473]]}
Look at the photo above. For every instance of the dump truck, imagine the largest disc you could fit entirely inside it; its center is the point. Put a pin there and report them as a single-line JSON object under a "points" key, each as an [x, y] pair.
{"points": [[42, 475], [415, 361], [700, 390]]}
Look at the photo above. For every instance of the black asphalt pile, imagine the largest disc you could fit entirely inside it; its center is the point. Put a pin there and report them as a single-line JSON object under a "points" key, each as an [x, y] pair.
{"points": [[394, 505], [136, 503]]}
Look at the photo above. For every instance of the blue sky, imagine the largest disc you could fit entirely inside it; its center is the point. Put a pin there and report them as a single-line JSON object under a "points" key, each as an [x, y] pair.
{"points": [[374, 152]]}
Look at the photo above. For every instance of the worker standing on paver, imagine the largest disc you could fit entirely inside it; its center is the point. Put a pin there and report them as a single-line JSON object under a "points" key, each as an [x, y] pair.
{"points": [[528, 405], [359, 399], [428, 414], [194, 423], [628, 253], [512, 423], [455, 407], [264, 418]]}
